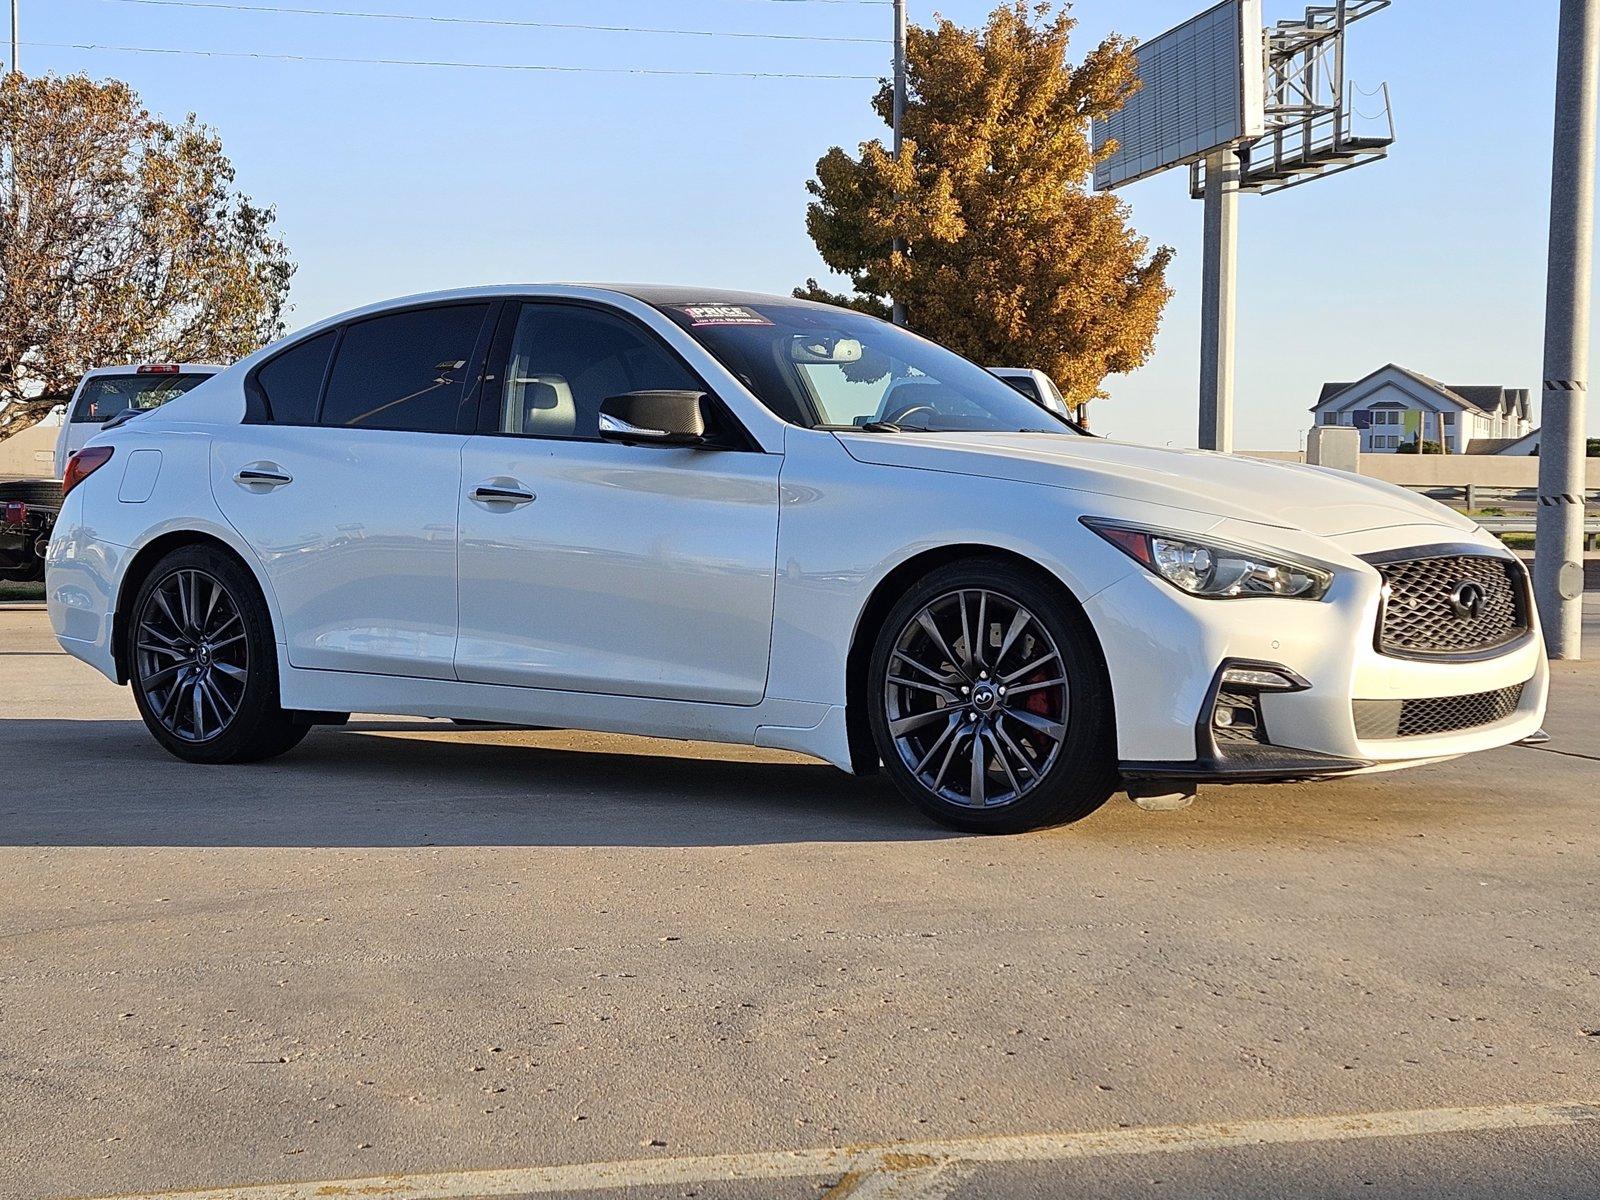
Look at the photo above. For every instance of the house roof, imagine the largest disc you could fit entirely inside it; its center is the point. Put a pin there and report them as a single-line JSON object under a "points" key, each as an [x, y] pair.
{"points": [[1484, 398], [1490, 445]]}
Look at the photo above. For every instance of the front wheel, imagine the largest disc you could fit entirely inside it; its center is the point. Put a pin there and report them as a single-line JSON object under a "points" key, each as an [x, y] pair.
{"points": [[202, 661], [990, 706]]}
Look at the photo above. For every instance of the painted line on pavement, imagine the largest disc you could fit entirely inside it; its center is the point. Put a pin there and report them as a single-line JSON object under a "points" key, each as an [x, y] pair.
{"points": [[908, 1162]]}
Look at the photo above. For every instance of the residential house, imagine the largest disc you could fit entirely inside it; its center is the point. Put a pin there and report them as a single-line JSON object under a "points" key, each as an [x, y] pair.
{"points": [[1393, 405]]}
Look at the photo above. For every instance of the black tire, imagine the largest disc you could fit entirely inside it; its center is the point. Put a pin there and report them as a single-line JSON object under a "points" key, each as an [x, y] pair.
{"points": [[257, 727], [1073, 765], [29, 572]]}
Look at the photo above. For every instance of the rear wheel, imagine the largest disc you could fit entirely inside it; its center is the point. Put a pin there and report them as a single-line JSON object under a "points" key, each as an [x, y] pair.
{"points": [[990, 707], [202, 661]]}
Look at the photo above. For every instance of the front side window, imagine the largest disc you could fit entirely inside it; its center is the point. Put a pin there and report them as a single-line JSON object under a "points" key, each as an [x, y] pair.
{"points": [[1054, 400], [104, 396], [832, 368], [566, 359], [404, 370]]}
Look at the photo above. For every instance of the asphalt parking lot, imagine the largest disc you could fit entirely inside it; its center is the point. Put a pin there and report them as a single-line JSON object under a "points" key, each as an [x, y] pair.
{"points": [[414, 961]]}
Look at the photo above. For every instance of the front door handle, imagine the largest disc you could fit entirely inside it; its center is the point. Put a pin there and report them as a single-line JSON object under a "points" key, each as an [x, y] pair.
{"points": [[262, 475], [494, 493]]}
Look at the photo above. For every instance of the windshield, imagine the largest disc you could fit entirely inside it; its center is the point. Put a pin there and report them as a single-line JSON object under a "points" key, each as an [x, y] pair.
{"points": [[106, 395], [832, 368]]}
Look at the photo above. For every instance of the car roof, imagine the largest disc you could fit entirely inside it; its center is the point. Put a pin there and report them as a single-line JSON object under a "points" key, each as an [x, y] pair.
{"points": [[654, 294], [651, 294]]}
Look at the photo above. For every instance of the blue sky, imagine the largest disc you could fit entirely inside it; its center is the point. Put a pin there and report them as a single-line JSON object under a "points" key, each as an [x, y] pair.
{"points": [[392, 179]]}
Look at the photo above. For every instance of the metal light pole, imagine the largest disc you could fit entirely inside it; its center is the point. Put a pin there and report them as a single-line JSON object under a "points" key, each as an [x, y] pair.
{"points": [[899, 313], [15, 68], [1558, 543], [1218, 296]]}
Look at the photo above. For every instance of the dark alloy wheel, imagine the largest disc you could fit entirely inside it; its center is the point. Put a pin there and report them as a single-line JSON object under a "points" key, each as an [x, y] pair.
{"points": [[990, 706], [202, 661], [192, 658]]}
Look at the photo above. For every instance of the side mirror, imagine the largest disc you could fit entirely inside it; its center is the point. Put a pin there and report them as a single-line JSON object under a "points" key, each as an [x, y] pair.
{"points": [[654, 419]]}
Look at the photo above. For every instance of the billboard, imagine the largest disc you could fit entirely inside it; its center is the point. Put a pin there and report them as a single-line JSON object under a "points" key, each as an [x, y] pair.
{"points": [[1204, 88]]}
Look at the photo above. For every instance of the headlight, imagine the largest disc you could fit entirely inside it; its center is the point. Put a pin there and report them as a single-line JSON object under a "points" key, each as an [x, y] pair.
{"points": [[1214, 570]]}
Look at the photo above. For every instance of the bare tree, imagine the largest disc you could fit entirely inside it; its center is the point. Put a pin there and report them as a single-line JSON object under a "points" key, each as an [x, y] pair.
{"points": [[122, 239]]}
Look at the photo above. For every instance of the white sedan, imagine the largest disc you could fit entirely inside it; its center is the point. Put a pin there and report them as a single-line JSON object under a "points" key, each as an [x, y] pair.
{"points": [[739, 518]]}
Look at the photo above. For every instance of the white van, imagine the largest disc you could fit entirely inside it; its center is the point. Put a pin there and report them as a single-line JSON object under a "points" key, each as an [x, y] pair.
{"points": [[106, 391]]}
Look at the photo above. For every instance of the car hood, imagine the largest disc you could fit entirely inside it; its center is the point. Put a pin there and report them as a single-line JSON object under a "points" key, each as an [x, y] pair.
{"points": [[1318, 500]]}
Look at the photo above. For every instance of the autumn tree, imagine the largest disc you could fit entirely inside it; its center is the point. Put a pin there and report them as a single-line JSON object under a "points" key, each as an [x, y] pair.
{"points": [[1008, 256], [122, 239]]}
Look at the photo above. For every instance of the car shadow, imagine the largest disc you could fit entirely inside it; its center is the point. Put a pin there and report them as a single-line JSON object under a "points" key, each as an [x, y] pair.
{"points": [[380, 784]]}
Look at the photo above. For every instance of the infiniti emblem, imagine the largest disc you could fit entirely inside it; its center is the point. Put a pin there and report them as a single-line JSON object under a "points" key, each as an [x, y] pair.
{"points": [[983, 697], [1468, 600]]}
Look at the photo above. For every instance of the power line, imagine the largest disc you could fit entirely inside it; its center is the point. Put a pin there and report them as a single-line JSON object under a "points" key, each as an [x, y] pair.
{"points": [[497, 21], [422, 62]]}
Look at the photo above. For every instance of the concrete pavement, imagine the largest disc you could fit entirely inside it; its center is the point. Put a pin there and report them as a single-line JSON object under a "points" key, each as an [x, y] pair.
{"points": [[406, 948]]}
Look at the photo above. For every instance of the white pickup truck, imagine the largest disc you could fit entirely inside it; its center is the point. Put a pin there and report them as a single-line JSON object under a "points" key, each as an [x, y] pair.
{"points": [[28, 507], [106, 392]]}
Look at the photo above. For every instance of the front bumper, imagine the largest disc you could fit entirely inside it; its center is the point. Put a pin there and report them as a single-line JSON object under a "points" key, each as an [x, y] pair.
{"points": [[1165, 652]]}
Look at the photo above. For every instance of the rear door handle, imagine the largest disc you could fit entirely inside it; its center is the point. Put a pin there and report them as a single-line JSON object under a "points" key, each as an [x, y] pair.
{"points": [[264, 475], [490, 493]]}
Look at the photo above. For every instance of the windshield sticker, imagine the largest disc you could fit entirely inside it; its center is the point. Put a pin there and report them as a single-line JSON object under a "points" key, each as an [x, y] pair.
{"points": [[723, 314]]}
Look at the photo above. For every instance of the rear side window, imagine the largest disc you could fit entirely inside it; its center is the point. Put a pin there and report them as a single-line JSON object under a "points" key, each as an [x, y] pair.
{"points": [[292, 381], [407, 370], [104, 396]]}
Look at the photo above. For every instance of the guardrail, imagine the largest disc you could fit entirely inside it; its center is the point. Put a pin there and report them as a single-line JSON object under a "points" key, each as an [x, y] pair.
{"points": [[1527, 524]]}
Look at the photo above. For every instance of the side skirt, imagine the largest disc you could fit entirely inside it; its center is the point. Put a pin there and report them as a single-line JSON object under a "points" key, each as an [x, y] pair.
{"points": [[807, 727]]}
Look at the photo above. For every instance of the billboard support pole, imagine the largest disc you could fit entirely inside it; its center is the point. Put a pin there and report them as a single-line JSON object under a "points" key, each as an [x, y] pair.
{"points": [[1218, 296], [1558, 542], [899, 312]]}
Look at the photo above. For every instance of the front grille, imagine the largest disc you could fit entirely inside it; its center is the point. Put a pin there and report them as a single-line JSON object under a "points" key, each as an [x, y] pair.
{"points": [[1423, 614], [1379, 719]]}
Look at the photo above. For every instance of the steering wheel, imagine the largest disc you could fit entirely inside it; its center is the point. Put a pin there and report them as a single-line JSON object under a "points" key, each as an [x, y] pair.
{"points": [[909, 410]]}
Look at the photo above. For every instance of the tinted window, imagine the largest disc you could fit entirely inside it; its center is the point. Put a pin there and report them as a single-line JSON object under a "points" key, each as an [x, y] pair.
{"points": [[105, 396], [1024, 385], [292, 381], [404, 371], [566, 359]]}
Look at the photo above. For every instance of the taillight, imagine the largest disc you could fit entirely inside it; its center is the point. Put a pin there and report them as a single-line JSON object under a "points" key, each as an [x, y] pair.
{"points": [[82, 465]]}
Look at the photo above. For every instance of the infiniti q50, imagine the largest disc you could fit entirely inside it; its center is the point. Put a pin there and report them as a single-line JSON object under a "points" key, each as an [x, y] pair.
{"points": [[732, 517]]}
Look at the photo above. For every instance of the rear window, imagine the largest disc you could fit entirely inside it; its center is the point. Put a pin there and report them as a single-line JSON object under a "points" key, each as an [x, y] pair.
{"points": [[406, 370], [291, 382], [104, 396], [1026, 386]]}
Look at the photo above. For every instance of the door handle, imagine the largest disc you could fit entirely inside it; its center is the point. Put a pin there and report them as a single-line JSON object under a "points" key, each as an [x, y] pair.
{"points": [[489, 493], [262, 475]]}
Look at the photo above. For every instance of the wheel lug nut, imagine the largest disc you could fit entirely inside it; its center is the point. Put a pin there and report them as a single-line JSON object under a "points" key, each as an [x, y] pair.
{"points": [[965, 690]]}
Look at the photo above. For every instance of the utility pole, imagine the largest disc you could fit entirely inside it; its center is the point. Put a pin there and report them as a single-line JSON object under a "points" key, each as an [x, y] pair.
{"points": [[1558, 543], [1218, 297], [899, 314]]}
